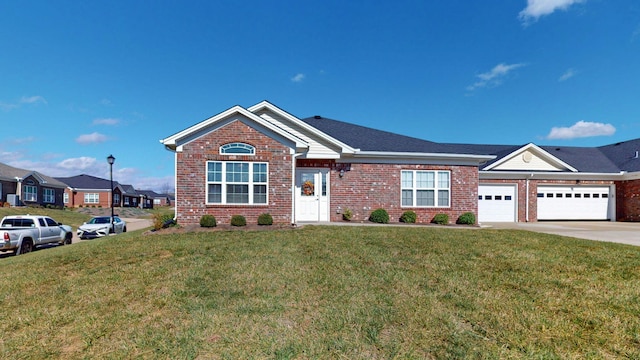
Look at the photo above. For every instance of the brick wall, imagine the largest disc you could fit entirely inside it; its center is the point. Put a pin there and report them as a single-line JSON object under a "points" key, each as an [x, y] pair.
{"points": [[76, 199], [628, 200], [191, 176], [366, 187]]}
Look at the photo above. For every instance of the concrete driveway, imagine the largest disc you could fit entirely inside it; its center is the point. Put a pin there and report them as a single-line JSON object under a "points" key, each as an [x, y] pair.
{"points": [[610, 231]]}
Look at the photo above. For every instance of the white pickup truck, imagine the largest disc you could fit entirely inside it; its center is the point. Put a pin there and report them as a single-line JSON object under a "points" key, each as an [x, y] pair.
{"points": [[22, 233]]}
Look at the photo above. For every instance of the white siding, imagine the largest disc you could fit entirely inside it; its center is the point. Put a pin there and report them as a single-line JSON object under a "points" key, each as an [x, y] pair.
{"points": [[535, 162], [317, 150]]}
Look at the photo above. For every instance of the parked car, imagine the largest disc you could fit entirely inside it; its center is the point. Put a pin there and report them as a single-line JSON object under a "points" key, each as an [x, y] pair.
{"points": [[100, 226], [22, 233]]}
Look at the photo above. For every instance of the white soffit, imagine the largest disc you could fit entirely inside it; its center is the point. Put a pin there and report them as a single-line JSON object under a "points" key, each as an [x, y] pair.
{"points": [[530, 158], [200, 128], [310, 130]]}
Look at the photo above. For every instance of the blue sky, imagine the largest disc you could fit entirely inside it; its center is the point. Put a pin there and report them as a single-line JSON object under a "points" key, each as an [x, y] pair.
{"points": [[85, 79]]}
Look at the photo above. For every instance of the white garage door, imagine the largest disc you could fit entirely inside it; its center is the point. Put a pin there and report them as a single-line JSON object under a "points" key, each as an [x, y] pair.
{"points": [[574, 203], [497, 203]]}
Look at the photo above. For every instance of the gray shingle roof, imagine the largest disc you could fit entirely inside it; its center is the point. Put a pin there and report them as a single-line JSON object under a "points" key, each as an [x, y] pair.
{"points": [[10, 173], [605, 159], [86, 182]]}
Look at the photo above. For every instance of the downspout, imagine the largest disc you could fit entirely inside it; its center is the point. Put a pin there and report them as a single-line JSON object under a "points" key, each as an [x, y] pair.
{"points": [[175, 187], [527, 197], [293, 187]]}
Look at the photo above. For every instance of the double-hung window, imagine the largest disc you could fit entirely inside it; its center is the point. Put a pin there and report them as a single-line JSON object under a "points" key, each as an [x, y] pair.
{"points": [[237, 182], [30, 193], [48, 195], [91, 198], [422, 188]]}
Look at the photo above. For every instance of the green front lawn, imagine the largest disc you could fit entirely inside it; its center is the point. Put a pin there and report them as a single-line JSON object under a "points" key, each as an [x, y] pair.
{"points": [[324, 292], [71, 217]]}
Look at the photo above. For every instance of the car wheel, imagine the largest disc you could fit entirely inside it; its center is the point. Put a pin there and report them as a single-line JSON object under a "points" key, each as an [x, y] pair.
{"points": [[124, 229], [25, 247], [68, 238]]}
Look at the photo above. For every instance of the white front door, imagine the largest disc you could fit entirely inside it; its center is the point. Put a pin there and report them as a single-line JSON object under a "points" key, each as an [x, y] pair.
{"points": [[312, 195]]}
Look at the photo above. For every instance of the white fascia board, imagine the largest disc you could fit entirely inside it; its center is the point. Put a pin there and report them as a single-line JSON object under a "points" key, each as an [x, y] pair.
{"points": [[548, 156], [345, 149], [171, 143], [521, 175], [90, 190], [630, 175], [426, 158]]}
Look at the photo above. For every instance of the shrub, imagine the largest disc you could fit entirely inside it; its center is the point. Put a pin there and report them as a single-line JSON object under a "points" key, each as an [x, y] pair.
{"points": [[265, 219], [380, 216], [238, 220], [441, 219], [162, 221], [208, 221], [467, 218], [347, 214], [409, 217]]}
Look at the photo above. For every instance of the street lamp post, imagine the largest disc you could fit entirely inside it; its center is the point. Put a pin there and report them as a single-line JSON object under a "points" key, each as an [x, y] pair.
{"points": [[111, 160]]}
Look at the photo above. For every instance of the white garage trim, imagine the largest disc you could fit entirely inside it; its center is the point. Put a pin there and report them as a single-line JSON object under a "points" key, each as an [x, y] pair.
{"points": [[497, 203], [576, 203]]}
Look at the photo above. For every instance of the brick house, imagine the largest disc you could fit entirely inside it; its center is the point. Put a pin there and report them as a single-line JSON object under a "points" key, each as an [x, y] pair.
{"points": [[90, 191], [263, 159], [25, 187]]}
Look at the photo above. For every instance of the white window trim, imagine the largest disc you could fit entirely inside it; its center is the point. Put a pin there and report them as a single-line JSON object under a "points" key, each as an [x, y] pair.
{"points": [[91, 198], [48, 198], [30, 195], [227, 149], [224, 183], [435, 189]]}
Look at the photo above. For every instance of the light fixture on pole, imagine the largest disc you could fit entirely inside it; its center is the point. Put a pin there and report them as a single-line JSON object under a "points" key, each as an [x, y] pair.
{"points": [[111, 160]]}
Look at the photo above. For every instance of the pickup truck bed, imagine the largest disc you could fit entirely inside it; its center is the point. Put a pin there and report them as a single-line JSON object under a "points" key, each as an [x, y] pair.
{"points": [[22, 233]]}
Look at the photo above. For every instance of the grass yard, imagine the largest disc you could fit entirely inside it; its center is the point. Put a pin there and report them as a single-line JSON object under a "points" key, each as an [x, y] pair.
{"points": [[74, 217], [324, 292]]}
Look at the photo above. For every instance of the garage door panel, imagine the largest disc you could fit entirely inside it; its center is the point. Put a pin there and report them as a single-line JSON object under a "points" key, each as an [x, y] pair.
{"points": [[573, 203], [496, 203]]}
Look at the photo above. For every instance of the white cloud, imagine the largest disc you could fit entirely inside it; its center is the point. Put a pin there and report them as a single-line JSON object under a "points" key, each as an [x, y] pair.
{"points": [[538, 8], [106, 121], [25, 140], [91, 138], [23, 100], [567, 75], [81, 163], [298, 78], [32, 100], [494, 77], [582, 129]]}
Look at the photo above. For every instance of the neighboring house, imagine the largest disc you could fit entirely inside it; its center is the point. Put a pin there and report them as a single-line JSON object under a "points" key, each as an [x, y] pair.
{"points": [[130, 196], [155, 198], [86, 190], [26, 187], [263, 159]]}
